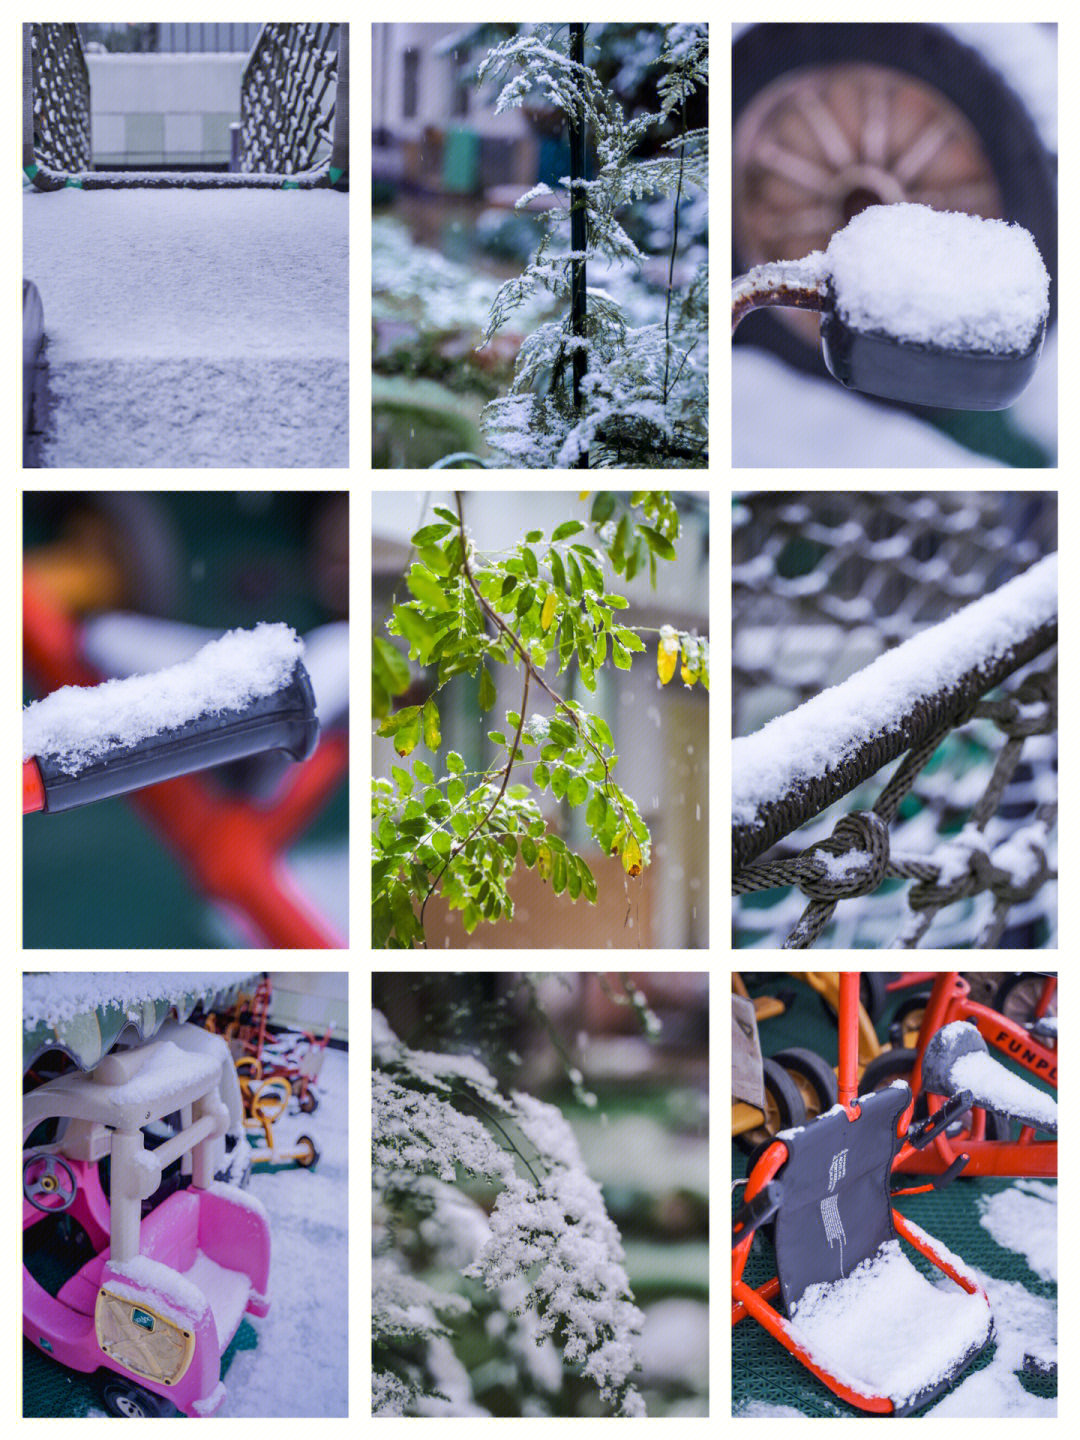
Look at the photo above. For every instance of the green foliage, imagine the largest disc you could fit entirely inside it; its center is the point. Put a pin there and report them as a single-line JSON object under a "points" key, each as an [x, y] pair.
{"points": [[537, 608], [644, 397]]}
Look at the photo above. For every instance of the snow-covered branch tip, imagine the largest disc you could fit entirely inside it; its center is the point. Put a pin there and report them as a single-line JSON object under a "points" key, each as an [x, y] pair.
{"points": [[548, 1251]]}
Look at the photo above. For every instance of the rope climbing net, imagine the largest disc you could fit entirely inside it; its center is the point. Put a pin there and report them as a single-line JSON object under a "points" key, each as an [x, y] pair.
{"points": [[294, 113], [827, 583], [56, 90], [287, 99]]}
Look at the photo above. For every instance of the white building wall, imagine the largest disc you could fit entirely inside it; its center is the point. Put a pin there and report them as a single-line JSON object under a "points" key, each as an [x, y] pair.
{"points": [[163, 109]]}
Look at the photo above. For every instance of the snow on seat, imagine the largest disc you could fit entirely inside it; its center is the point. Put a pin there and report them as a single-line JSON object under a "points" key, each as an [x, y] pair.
{"points": [[856, 1303], [886, 1330], [193, 327]]}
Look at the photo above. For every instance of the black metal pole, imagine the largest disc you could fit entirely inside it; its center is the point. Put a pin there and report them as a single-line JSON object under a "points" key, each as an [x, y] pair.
{"points": [[578, 234]]}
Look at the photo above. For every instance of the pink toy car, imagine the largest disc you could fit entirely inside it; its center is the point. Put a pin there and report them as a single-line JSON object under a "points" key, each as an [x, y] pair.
{"points": [[163, 1294]]}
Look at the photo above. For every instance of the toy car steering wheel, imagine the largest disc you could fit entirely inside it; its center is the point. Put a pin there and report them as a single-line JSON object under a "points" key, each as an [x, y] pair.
{"points": [[48, 1190]]}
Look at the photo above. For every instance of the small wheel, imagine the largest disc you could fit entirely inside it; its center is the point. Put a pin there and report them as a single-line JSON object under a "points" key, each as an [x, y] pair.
{"points": [[1018, 995], [309, 1157], [309, 1102], [248, 1073], [784, 1106], [49, 1183], [132, 1402], [813, 1075], [906, 1023]]}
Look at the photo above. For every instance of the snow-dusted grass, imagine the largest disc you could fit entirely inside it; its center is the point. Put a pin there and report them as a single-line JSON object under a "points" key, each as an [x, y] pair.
{"points": [[191, 327], [79, 725], [816, 737], [941, 278]]}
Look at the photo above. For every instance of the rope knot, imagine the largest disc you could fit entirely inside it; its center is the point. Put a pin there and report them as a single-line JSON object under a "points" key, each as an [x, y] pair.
{"points": [[852, 861]]}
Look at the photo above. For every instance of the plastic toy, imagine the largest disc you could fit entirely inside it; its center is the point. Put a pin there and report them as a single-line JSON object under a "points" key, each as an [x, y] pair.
{"points": [[856, 1312], [264, 1104], [169, 1279]]}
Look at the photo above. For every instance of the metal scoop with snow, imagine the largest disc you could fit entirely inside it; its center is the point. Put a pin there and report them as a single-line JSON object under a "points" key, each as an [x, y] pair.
{"points": [[925, 307]]}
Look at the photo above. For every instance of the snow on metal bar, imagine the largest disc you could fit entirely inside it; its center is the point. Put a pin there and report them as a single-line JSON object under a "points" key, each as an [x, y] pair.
{"points": [[56, 100], [287, 98], [801, 762]]}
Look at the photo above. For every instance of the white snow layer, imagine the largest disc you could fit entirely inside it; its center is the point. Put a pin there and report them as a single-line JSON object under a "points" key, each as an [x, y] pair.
{"points": [[828, 729], [1023, 1219], [78, 725], [1000, 1089], [886, 1330], [939, 277], [192, 327], [56, 997]]}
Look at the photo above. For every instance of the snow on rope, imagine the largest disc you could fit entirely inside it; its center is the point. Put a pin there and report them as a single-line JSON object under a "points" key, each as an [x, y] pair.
{"points": [[821, 740]]}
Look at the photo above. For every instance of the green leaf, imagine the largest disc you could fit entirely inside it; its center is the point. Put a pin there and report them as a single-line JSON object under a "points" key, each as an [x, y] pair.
{"points": [[600, 650], [417, 629], [497, 737], [541, 776], [588, 884], [461, 824], [616, 602], [573, 877], [430, 533], [525, 600], [508, 585], [432, 732], [455, 791], [427, 588], [629, 639], [602, 731], [533, 536], [576, 588], [657, 543], [596, 811], [487, 689], [454, 763], [566, 529], [402, 780], [620, 655], [389, 666], [603, 507], [445, 514], [531, 564], [442, 843], [559, 778], [558, 572], [423, 773], [558, 873], [528, 851], [398, 720], [470, 917], [577, 790]]}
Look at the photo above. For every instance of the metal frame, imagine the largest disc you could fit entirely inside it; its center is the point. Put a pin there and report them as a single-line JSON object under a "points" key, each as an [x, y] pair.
{"points": [[65, 162]]}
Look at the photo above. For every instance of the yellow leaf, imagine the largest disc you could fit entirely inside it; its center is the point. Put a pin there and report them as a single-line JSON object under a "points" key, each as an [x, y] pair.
{"points": [[544, 863], [631, 856], [547, 614], [667, 654], [689, 677], [582, 494]]}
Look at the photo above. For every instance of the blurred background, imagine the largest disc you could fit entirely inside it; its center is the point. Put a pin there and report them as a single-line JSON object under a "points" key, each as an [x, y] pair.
{"points": [[446, 173], [661, 733], [822, 584], [831, 118], [134, 582], [644, 1140]]}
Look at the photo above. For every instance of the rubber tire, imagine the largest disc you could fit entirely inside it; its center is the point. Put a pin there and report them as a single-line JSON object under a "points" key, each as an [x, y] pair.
{"points": [[1025, 171], [309, 1103], [1005, 989], [812, 1067], [310, 1161], [913, 1004], [140, 1403], [785, 1096]]}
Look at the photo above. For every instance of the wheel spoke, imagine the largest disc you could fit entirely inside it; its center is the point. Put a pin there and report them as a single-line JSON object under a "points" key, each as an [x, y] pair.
{"points": [[825, 128], [923, 149], [794, 167], [875, 129]]}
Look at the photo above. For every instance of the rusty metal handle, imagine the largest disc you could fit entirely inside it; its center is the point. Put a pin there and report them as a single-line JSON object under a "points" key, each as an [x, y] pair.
{"points": [[799, 285]]}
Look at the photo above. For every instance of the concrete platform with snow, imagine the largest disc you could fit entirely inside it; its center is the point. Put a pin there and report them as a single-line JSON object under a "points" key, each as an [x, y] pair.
{"points": [[192, 328]]}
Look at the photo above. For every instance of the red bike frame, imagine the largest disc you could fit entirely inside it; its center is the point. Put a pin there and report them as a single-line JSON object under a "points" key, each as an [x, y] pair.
{"points": [[232, 850], [950, 1000]]}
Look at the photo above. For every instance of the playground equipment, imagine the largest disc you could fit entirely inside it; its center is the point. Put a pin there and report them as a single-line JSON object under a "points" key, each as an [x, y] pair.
{"points": [[231, 845], [265, 1101], [954, 1025], [827, 585], [293, 1055], [856, 1311], [294, 114], [172, 1274]]}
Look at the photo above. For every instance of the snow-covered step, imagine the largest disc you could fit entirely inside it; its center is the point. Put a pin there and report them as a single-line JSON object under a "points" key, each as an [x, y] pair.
{"points": [[193, 327]]}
